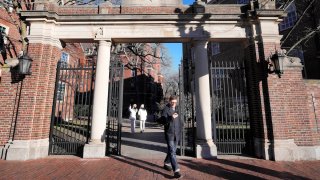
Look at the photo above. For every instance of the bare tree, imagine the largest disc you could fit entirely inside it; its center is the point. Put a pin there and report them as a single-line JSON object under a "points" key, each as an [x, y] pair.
{"points": [[308, 33], [171, 85], [141, 55]]}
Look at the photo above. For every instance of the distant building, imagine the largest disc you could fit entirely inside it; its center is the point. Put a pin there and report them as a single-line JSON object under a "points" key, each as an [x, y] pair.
{"points": [[301, 19], [143, 79]]}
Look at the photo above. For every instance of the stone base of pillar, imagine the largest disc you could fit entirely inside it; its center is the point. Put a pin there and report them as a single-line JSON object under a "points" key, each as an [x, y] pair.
{"points": [[94, 150], [285, 150], [25, 149], [206, 150]]}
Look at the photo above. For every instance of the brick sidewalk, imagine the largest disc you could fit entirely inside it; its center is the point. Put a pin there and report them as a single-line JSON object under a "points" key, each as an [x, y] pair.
{"points": [[68, 167]]}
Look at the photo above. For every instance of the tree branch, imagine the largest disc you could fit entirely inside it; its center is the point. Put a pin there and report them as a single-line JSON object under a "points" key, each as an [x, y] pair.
{"points": [[304, 38], [296, 24]]}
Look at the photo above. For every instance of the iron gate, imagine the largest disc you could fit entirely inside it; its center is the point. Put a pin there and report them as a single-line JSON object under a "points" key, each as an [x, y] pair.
{"points": [[186, 111], [115, 101], [230, 115], [71, 110]]}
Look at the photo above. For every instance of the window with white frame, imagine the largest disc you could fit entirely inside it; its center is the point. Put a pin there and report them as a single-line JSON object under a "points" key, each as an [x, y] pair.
{"points": [[215, 47], [291, 18], [133, 72], [4, 30], [60, 91], [64, 59], [242, 1]]}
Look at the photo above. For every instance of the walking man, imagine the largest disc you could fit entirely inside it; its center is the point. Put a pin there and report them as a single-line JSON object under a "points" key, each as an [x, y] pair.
{"points": [[172, 130]]}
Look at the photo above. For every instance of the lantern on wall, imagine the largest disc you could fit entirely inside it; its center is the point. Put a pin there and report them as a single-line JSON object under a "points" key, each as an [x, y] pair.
{"points": [[25, 64], [277, 60]]}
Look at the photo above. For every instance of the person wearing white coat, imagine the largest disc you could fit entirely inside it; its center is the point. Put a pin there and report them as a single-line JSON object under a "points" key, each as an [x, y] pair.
{"points": [[143, 117], [133, 111]]}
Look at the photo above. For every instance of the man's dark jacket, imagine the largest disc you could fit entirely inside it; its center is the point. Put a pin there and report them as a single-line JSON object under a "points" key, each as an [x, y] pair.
{"points": [[172, 128]]}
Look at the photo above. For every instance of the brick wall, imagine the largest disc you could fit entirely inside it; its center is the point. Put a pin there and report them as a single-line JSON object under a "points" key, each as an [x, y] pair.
{"points": [[8, 107], [289, 107], [32, 119], [9, 88], [313, 102], [37, 93], [110, 9], [283, 102]]}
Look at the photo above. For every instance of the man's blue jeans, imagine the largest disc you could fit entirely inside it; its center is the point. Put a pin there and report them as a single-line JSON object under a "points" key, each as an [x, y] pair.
{"points": [[171, 155]]}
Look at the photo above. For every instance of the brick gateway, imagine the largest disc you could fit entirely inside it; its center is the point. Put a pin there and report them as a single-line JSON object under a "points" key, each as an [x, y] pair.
{"points": [[284, 112]]}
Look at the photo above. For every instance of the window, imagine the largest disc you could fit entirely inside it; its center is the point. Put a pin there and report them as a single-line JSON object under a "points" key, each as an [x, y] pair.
{"points": [[291, 18], [215, 48], [133, 72], [61, 90], [4, 31], [242, 1], [6, 3], [64, 59]]}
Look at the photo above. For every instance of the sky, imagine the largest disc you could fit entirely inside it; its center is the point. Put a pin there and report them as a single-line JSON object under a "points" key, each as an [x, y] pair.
{"points": [[175, 49]]}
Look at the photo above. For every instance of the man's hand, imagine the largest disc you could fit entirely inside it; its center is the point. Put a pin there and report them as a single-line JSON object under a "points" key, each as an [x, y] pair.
{"points": [[175, 115]]}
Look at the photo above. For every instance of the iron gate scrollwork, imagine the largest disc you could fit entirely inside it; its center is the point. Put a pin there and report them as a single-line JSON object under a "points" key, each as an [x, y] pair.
{"points": [[71, 110], [115, 100], [230, 115], [186, 114]]}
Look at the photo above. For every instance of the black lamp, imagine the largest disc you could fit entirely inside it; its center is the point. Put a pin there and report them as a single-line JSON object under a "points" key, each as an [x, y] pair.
{"points": [[25, 64], [277, 63]]}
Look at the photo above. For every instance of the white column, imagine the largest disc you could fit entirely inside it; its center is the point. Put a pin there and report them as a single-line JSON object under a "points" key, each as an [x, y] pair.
{"points": [[96, 147], [205, 146]]}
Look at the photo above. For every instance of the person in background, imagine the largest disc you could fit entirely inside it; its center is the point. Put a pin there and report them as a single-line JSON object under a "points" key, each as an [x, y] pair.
{"points": [[142, 117], [172, 130], [133, 112]]}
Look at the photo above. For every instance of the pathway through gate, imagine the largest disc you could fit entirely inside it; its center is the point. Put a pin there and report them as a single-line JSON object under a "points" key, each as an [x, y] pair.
{"points": [[149, 144]]}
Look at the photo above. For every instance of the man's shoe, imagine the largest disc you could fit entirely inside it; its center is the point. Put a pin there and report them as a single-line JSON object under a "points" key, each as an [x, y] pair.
{"points": [[177, 174], [167, 167]]}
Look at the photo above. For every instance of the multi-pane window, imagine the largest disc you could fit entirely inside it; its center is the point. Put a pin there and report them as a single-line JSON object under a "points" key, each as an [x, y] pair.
{"points": [[291, 18], [4, 31], [61, 90], [242, 1], [133, 72], [64, 59], [215, 48], [6, 3]]}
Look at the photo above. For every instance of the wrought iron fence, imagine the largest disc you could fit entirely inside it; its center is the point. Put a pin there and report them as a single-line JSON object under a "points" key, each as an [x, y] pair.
{"points": [[115, 107], [71, 110], [188, 134], [230, 115]]}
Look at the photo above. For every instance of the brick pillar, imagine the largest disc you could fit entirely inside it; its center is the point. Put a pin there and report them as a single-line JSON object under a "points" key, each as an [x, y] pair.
{"points": [[30, 104], [286, 132]]}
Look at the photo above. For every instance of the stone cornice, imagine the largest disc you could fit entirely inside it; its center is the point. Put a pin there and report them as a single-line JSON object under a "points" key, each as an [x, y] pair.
{"points": [[270, 13], [30, 15]]}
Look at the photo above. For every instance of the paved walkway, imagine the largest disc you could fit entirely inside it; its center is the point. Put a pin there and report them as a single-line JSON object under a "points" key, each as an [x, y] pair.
{"points": [[64, 167], [143, 159], [150, 142]]}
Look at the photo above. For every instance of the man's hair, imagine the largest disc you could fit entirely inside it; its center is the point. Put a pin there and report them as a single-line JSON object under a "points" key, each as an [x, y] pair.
{"points": [[172, 98]]}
